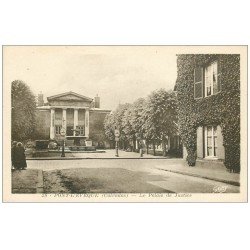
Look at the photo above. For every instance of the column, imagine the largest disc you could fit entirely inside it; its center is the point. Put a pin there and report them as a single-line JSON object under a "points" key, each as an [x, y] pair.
{"points": [[52, 123], [75, 119], [64, 124], [87, 123]]}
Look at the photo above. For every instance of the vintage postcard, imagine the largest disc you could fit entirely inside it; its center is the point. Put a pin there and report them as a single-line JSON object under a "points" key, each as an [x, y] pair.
{"points": [[124, 123]]}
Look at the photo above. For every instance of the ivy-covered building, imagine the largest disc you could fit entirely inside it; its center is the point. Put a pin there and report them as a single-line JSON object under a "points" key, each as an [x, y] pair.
{"points": [[208, 93]]}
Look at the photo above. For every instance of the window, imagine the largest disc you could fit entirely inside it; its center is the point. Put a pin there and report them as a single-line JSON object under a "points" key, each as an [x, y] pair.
{"points": [[58, 129], [198, 83], [212, 78], [211, 141], [81, 130], [69, 130], [207, 80]]}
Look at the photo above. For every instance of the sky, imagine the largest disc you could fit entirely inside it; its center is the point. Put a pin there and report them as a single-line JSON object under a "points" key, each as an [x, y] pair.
{"points": [[118, 74]]}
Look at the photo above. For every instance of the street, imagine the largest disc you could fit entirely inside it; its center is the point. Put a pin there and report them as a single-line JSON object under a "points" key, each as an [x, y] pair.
{"points": [[121, 175]]}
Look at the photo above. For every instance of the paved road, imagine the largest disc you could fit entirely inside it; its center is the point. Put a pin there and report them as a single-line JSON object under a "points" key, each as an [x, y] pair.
{"points": [[156, 178]]}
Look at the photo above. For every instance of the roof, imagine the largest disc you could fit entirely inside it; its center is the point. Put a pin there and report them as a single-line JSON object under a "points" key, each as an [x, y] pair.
{"points": [[100, 110], [69, 93], [73, 107]]}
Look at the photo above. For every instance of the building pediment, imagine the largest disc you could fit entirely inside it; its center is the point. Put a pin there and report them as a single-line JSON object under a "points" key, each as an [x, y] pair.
{"points": [[69, 96]]}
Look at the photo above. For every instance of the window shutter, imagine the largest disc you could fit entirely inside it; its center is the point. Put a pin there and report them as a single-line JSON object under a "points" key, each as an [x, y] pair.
{"points": [[219, 75], [220, 146], [200, 144], [198, 83]]}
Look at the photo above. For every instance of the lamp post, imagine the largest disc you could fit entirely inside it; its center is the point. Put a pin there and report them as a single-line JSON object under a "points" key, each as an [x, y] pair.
{"points": [[117, 134], [116, 146], [63, 153]]}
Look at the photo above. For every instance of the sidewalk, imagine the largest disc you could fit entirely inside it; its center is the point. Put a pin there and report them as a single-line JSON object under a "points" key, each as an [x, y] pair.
{"points": [[99, 154], [27, 181], [215, 173]]}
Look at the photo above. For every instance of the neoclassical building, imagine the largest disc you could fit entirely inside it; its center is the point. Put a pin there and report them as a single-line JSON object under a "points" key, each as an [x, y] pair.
{"points": [[78, 116]]}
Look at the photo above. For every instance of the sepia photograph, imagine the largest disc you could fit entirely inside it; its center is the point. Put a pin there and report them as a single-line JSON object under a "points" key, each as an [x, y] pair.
{"points": [[124, 123]]}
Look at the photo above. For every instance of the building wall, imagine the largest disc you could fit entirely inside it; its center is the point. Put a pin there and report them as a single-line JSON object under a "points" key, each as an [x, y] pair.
{"points": [[42, 124], [69, 103], [221, 109]]}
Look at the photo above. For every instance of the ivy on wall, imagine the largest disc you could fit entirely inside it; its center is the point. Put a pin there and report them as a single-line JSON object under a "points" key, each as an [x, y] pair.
{"points": [[221, 109]]}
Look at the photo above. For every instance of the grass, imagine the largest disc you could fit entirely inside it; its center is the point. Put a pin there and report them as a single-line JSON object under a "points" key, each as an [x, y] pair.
{"points": [[97, 180]]}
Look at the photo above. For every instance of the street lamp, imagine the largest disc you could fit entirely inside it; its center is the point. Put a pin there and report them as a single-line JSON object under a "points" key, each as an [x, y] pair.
{"points": [[116, 146], [117, 134], [63, 153]]}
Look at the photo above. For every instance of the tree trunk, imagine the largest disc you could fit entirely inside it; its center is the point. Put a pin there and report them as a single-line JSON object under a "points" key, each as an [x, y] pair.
{"points": [[164, 152], [134, 145], [147, 147], [153, 147]]}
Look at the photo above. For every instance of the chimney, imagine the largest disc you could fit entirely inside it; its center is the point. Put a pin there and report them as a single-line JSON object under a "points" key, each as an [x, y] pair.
{"points": [[40, 101], [97, 102]]}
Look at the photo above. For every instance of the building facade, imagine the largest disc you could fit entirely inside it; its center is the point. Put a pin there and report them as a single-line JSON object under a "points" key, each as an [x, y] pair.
{"points": [[79, 117], [208, 93]]}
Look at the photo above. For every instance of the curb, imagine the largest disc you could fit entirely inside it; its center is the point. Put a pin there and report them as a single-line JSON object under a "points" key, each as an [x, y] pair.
{"points": [[86, 158], [72, 151], [234, 183]]}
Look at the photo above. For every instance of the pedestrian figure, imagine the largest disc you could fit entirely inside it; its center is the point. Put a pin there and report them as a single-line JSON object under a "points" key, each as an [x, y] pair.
{"points": [[20, 157], [13, 155]]}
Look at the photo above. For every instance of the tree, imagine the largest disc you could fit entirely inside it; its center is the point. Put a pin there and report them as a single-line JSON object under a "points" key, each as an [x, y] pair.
{"points": [[119, 123], [109, 124], [137, 119], [23, 105], [153, 119], [127, 125], [117, 120], [160, 117]]}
